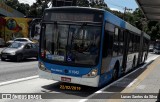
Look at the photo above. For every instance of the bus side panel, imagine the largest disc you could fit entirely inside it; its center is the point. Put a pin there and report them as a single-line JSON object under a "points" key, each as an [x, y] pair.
{"points": [[129, 62], [77, 75], [107, 76], [108, 61], [67, 70]]}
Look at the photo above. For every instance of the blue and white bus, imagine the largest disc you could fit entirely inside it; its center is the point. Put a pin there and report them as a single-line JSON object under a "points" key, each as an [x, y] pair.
{"points": [[88, 46]]}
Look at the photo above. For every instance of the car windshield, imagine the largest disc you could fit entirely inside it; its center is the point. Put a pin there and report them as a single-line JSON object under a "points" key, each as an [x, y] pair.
{"points": [[76, 44], [157, 45], [20, 40], [15, 45], [151, 46]]}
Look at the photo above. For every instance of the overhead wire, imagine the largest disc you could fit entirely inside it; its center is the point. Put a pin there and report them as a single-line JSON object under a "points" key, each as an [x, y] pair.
{"points": [[113, 3]]}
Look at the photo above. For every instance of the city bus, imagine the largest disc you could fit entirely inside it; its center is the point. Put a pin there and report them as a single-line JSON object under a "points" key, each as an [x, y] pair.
{"points": [[88, 46]]}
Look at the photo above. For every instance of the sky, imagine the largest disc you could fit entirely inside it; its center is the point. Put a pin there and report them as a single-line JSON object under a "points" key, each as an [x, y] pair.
{"points": [[30, 2], [118, 5]]}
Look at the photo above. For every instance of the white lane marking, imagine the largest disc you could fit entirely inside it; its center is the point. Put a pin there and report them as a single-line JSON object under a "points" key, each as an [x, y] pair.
{"points": [[101, 90], [149, 60], [130, 84], [18, 80], [141, 87]]}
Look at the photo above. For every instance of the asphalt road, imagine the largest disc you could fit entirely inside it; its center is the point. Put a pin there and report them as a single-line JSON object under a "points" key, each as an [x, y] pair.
{"points": [[10, 70], [58, 94], [15, 70]]}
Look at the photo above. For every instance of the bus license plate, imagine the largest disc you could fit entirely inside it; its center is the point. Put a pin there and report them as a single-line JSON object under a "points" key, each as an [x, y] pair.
{"points": [[65, 79]]}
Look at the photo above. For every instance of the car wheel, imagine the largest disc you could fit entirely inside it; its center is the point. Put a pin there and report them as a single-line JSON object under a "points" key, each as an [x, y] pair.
{"points": [[36, 57], [19, 57], [3, 59]]}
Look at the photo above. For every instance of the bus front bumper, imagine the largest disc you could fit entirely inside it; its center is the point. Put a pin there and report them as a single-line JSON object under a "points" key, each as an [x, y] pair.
{"points": [[93, 82]]}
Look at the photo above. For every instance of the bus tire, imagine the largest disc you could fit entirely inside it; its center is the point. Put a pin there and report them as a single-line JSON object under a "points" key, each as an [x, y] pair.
{"points": [[145, 57], [134, 63], [115, 73]]}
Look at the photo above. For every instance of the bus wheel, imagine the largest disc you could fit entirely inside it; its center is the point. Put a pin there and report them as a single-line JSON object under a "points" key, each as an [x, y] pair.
{"points": [[145, 57], [115, 74]]}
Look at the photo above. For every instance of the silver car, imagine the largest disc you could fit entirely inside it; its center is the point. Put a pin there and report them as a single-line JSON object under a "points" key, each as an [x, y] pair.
{"points": [[157, 48], [20, 50], [19, 39]]}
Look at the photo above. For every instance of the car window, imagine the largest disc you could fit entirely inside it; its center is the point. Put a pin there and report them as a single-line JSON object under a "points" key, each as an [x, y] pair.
{"points": [[34, 46], [15, 45], [20, 40], [157, 45], [28, 46]]}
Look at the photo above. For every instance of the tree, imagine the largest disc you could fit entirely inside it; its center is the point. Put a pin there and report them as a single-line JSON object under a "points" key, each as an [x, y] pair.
{"points": [[21, 7], [37, 8], [98, 4], [84, 3]]}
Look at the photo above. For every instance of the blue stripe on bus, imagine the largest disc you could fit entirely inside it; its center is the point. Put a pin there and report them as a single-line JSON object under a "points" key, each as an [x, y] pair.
{"points": [[68, 70], [107, 77], [114, 20]]}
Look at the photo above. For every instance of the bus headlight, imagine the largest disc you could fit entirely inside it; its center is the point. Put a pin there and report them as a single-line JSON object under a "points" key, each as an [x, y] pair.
{"points": [[42, 67], [92, 73]]}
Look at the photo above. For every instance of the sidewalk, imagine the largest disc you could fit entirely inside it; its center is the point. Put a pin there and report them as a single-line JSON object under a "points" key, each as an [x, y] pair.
{"points": [[145, 80], [149, 82]]}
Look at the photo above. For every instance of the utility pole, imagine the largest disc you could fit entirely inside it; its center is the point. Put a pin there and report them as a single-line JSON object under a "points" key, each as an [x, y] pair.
{"points": [[125, 10]]}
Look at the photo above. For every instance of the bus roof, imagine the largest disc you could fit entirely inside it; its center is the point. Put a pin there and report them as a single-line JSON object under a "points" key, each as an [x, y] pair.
{"points": [[120, 22], [75, 8], [146, 36], [108, 16]]}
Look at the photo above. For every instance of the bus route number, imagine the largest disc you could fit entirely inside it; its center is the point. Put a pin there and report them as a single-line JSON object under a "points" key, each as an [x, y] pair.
{"points": [[73, 72]]}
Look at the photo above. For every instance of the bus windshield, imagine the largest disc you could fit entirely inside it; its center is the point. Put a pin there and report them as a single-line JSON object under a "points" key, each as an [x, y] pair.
{"points": [[76, 44]]}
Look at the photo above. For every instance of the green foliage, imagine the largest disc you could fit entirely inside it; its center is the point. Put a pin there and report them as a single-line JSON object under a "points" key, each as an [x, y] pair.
{"points": [[136, 18], [21, 7], [83, 3]]}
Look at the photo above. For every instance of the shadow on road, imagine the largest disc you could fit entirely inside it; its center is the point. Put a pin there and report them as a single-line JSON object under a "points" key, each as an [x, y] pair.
{"points": [[84, 91], [158, 98], [23, 61]]}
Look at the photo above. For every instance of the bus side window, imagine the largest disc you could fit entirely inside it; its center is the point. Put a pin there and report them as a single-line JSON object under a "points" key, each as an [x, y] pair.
{"points": [[121, 42], [107, 44], [115, 43], [108, 40], [130, 43]]}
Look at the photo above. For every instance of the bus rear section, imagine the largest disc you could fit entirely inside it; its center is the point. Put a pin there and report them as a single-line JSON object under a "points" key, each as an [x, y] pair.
{"points": [[70, 45]]}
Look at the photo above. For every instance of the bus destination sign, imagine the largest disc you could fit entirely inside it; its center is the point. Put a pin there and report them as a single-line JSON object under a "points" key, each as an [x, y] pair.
{"points": [[72, 17]]}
